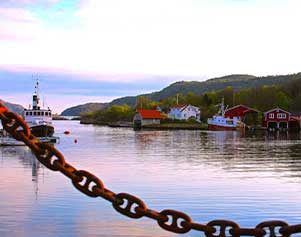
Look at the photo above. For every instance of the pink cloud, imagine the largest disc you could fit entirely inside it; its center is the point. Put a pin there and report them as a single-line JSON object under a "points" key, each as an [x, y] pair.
{"points": [[17, 24], [16, 15]]}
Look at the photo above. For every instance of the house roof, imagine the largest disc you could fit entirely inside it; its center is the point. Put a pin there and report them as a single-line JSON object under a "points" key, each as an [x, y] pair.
{"points": [[247, 109], [271, 110], [179, 106], [149, 114], [183, 107]]}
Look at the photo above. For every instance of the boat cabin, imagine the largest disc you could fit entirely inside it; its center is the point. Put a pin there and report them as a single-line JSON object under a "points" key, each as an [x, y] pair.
{"points": [[33, 116]]}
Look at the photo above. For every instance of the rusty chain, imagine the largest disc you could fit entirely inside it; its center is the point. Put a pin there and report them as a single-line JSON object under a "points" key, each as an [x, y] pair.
{"points": [[127, 204]]}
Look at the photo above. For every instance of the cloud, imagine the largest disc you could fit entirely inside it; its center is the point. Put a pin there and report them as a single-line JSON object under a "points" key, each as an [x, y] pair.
{"points": [[158, 37], [17, 25], [16, 14]]}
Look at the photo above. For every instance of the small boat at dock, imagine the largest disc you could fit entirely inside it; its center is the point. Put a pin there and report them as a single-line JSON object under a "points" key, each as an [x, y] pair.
{"points": [[220, 122], [38, 119]]}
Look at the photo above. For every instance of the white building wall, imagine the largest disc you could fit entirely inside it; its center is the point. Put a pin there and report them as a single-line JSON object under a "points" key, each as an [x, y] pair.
{"points": [[150, 121], [175, 113], [184, 114]]}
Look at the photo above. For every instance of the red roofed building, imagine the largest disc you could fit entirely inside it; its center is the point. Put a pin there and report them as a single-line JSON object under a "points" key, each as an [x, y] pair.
{"points": [[279, 119], [239, 111], [147, 117]]}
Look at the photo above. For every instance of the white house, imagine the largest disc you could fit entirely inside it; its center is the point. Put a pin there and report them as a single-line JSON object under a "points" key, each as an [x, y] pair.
{"points": [[184, 112]]}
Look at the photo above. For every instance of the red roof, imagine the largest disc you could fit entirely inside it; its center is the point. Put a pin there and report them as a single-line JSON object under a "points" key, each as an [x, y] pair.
{"points": [[149, 114], [179, 106]]}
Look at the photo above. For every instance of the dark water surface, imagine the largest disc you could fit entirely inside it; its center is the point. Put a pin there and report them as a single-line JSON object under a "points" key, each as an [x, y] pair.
{"points": [[208, 175]]}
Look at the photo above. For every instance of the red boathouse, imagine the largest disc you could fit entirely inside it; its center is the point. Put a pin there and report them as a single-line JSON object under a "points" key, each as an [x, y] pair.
{"points": [[280, 119], [239, 111], [147, 117]]}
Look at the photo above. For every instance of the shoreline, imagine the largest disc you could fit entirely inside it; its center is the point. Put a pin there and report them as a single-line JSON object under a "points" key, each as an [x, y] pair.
{"points": [[163, 126], [168, 126]]}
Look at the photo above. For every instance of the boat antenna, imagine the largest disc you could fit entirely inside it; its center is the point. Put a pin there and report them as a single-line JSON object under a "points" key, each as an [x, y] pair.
{"points": [[223, 107], [35, 98]]}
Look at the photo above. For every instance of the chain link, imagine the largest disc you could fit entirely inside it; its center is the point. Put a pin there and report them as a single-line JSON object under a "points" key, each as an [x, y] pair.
{"points": [[130, 205]]}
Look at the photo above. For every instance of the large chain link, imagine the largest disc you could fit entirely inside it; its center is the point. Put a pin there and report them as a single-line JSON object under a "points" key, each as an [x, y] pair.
{"points": [[130, 205]]}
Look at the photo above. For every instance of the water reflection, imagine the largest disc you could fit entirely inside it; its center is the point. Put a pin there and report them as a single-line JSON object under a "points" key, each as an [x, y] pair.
{"points": [[25, 157], [246, 177]]}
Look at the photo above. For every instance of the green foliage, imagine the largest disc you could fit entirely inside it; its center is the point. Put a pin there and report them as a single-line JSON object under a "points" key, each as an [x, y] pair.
{"points": [[113, 113], [82, 109], [236, 82]]}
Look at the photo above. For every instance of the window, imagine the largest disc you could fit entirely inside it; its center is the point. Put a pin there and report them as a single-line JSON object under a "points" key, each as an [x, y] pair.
{"points": [[271, 116], [34, 113], [26, 113], [281, 116]]}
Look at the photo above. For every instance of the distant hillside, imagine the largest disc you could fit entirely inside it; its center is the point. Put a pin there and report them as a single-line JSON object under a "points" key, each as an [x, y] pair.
{"points": [[13, 107], [237, 82], [77, 110]]}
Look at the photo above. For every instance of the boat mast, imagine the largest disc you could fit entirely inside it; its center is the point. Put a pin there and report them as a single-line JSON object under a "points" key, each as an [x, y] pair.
{"points": [[223, 107], [35, 97]]}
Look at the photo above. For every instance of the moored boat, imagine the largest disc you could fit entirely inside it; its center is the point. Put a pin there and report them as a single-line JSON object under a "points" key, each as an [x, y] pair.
{"points": [[7, 140], [38, 119], [220, 122]]}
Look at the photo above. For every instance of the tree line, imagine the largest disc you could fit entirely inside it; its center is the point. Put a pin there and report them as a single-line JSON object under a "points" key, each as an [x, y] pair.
{"points": [[262, 98]]}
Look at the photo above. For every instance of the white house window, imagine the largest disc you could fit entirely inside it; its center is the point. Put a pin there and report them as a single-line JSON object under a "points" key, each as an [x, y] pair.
{"points": [[271, 116], [281, 116]]}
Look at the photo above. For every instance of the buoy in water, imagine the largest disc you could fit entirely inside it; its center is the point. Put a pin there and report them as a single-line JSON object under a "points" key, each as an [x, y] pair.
{"points": [[67, 132]]}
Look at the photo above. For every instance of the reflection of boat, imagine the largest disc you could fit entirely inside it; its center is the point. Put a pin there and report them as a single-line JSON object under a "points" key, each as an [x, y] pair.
{"points": [[7, 140], [220, 122], [39, 120]]}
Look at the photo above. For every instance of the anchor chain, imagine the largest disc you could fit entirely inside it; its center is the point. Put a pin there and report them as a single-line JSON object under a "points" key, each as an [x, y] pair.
{"points": [[130, 205]]}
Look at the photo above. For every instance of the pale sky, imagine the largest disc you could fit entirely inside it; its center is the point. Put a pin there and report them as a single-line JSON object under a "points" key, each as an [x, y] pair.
{"points": [[193, 38]]}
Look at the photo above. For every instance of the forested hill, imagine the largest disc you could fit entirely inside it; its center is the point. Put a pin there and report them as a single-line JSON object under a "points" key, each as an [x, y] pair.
{"points": [[13, 107], [79, 109], [237, 82]]}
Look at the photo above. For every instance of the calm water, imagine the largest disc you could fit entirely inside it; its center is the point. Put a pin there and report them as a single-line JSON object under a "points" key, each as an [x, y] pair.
{"points": [[209, 175]]}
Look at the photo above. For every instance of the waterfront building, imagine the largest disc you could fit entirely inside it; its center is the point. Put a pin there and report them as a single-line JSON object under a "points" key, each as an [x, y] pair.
{"points": [[184, 112], [280, 119], [147, 117], [239, 111]]}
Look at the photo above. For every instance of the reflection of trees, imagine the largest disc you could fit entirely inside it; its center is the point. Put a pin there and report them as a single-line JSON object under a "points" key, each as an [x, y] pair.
{"points": [[144, 139], [241, 153], [275, 154]]}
